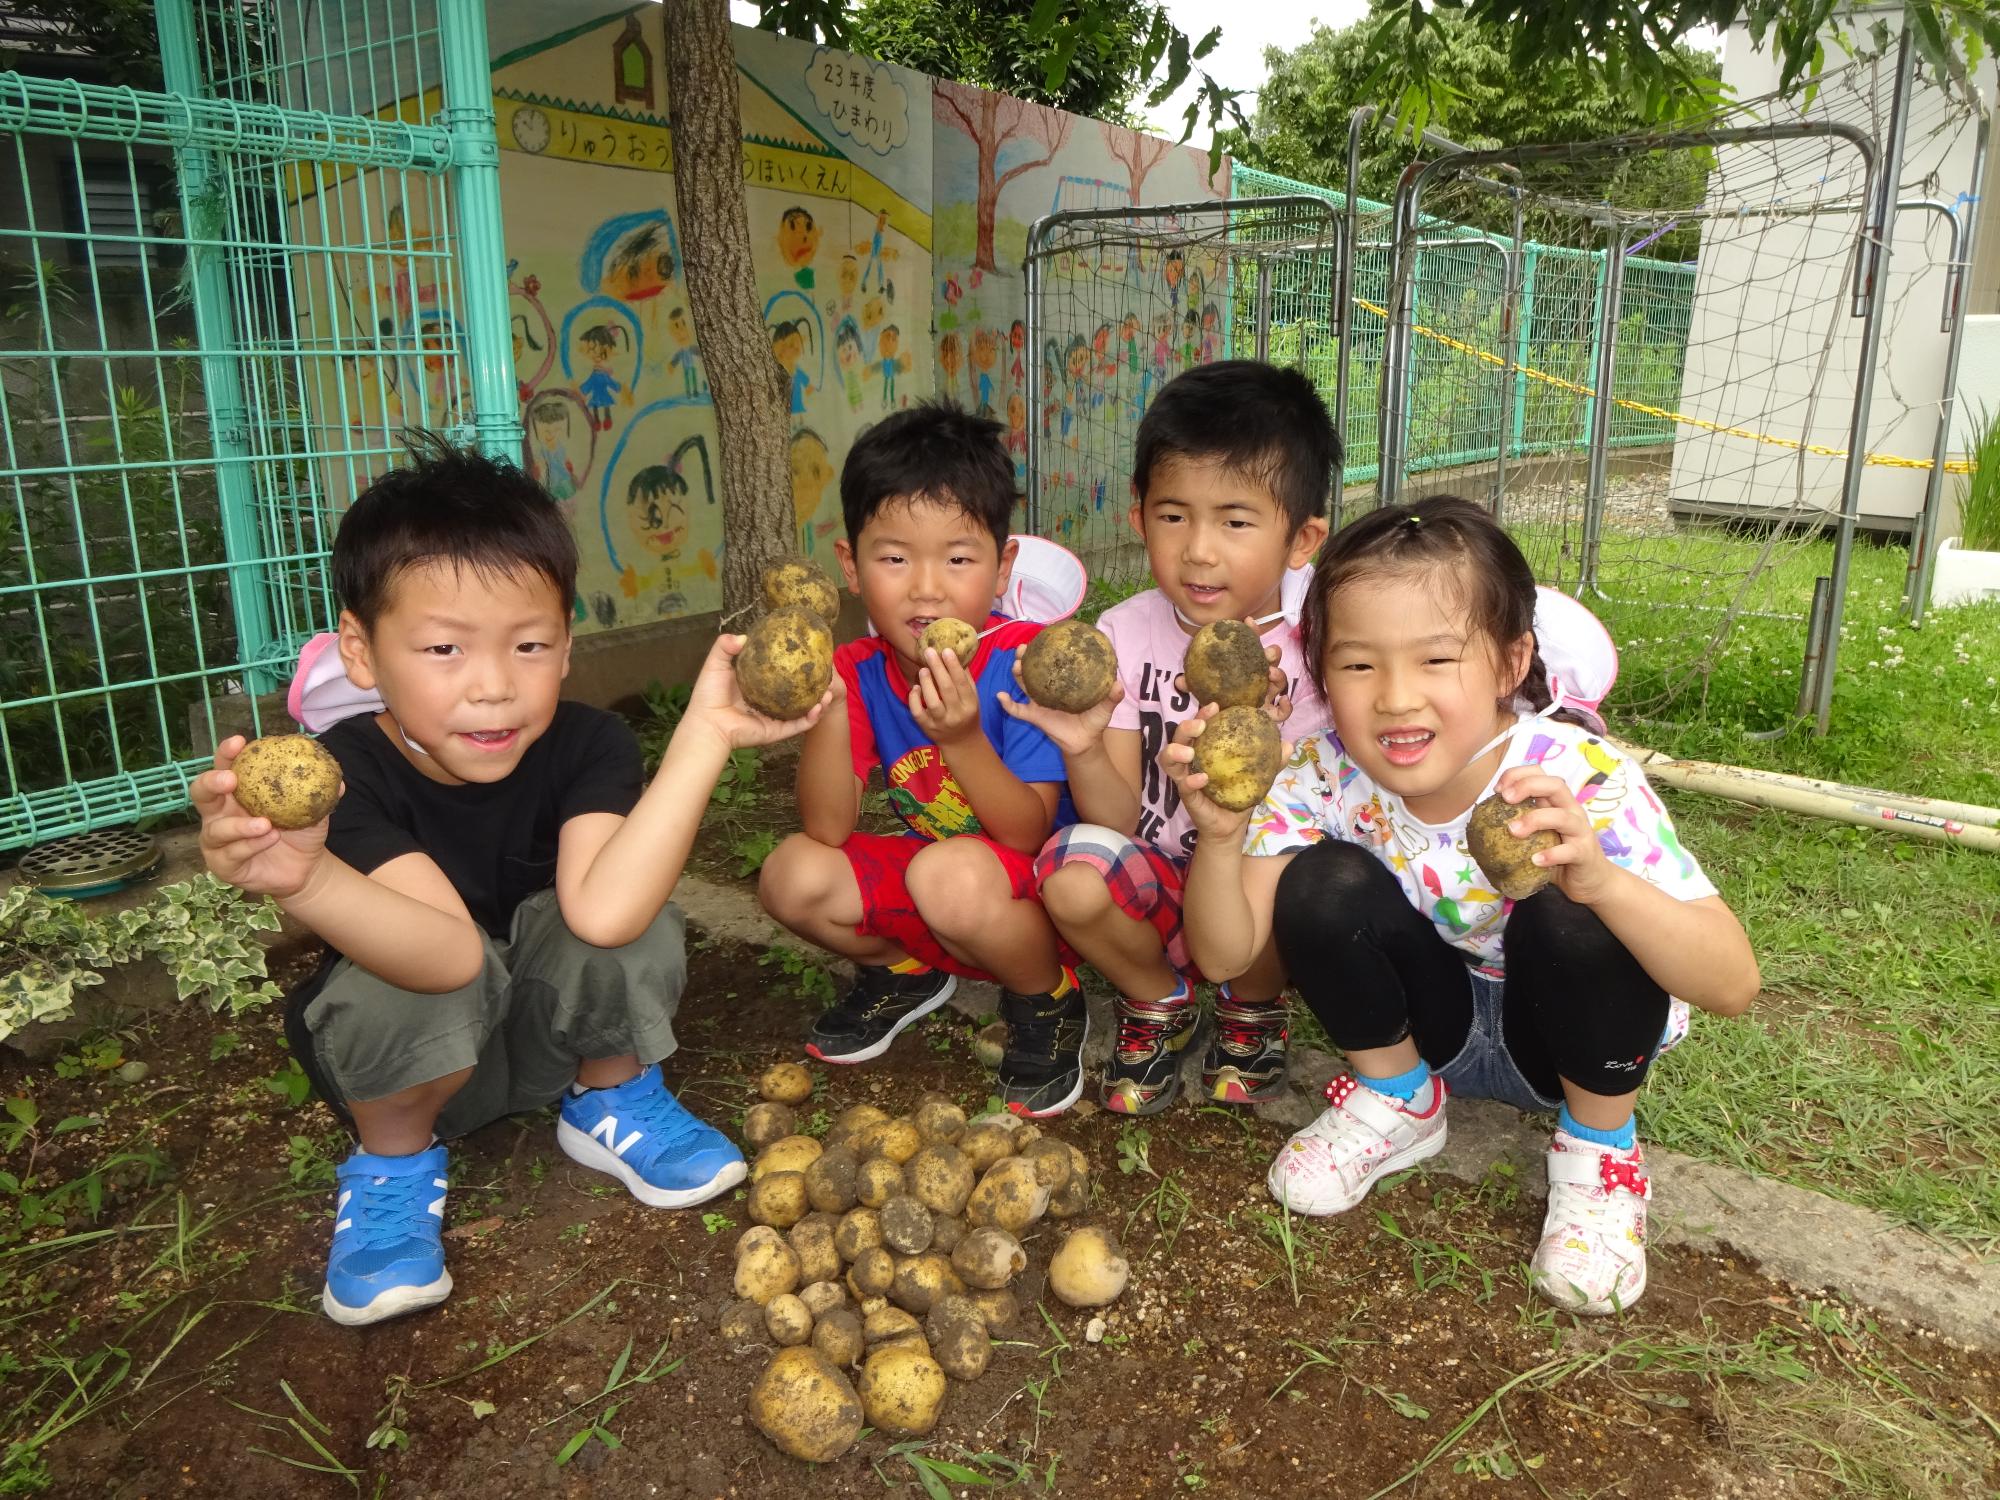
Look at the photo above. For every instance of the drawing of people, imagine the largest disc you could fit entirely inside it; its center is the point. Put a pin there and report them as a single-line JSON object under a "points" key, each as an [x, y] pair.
{"points": [[686, 358], [798, 239], [877, 251], [1017, 342], [524, 340], [641, 264], [985, 356], [548, 448], [788, 342], [600, 388], [953, 293], [886, 345], [656, 515], [1211, 333], [1076, 369], [1173, 270], [1017, 427], [1190, 338], [951, 359], [1052, 401], [812, 468], [847, 355], [848, 277]]}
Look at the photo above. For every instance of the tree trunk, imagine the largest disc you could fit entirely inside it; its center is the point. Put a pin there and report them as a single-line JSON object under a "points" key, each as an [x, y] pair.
{"points": [[751, 397]]}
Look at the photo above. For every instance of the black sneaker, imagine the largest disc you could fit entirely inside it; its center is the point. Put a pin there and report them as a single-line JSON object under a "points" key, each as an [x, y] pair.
{"points": [[1144, 1074], [879, 1006], [1042, 1072], [1246, 1061]]}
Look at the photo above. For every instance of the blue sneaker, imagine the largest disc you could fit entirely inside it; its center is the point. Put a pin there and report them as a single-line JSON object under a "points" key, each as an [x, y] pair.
{"points": [[388, 1255], [640, 1134]]}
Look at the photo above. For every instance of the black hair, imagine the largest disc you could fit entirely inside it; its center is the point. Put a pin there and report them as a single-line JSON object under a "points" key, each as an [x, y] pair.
{"points": [[847, 333], [602, 334], [655, 479], [935, 450], [645, 241], [1461, 544], [449, 506], [796, 211], [1257, 420]]}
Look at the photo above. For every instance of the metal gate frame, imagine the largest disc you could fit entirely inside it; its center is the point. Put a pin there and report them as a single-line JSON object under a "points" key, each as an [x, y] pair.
{"points": [[1871, 260], [1037, 249]]}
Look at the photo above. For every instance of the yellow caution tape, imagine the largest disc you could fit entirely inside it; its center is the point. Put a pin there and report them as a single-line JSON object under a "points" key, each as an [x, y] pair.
{"points": [[1487, 356]]}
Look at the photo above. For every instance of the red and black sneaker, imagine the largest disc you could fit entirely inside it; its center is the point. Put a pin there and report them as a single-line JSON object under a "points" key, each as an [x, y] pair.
{"points": [[1246, 1060], [1144, 1074]]}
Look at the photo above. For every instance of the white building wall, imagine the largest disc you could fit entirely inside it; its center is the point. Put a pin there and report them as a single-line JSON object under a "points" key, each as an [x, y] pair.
{"points": [[1773, 346]]}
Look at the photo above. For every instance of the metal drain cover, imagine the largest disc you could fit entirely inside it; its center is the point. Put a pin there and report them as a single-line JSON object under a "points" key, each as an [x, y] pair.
{"points": [[90, 864]]}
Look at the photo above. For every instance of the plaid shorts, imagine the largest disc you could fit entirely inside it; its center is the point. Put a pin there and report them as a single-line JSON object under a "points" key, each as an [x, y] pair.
{"points": [[1144, 880], [881, 865]]}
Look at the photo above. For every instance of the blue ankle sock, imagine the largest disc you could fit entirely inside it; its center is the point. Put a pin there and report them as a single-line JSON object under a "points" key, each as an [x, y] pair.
{"points": [[1624, 1138], [1404, 1086]]}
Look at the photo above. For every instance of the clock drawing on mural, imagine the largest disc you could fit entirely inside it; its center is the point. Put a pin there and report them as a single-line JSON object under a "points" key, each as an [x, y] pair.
{"points": [[531, 129]]}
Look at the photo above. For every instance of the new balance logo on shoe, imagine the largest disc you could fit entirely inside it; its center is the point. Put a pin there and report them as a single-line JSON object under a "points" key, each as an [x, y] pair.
{"points": [[604, 1131]]}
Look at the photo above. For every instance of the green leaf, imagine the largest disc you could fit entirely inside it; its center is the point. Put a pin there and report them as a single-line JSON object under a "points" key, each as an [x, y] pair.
{"points": [[1042, 18], [76, 1122], [481, 1409], [1207, 44], [24, 1110], [574, 1446]]}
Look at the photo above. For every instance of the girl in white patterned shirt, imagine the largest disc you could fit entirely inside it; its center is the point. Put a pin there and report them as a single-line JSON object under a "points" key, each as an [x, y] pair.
{"points": [[1420, 632]]}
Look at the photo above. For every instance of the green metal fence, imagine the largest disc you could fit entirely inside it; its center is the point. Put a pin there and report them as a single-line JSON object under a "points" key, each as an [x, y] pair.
{"points": [[220, 306], [1461, 402]]}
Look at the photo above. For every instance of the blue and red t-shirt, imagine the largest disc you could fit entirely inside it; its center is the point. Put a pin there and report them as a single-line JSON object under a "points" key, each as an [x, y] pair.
{"points": [[882, 731]]}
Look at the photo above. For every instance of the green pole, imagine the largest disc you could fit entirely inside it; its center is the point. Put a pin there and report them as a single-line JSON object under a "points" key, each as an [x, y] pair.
{"points": [[204, 193], [482, 241], [1526, 314]]}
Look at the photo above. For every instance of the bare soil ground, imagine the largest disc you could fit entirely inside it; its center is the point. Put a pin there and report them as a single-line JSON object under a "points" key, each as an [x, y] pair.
{"points": [[170, 1343]]}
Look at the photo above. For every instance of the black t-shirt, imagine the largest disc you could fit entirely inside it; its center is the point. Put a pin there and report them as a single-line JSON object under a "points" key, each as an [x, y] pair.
{"points": [[494, 841]]}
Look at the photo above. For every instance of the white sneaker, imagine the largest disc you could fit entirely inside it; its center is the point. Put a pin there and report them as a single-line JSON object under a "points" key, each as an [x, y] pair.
{"points": [[1329, 1166], [1592, 1258]]}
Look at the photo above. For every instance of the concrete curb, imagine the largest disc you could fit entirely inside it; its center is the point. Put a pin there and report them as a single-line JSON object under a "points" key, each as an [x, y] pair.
{"points": [[1812, 1242]]}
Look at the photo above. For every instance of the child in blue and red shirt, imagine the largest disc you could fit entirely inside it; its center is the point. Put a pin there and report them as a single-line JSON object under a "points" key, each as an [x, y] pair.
{"points": [[927, 495]]}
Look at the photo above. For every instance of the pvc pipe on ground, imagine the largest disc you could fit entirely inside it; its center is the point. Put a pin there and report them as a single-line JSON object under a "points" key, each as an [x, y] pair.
{"points": [[1962, 823]]}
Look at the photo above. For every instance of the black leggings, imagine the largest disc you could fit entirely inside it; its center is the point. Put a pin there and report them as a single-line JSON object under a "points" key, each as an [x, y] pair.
{"points": [[1576, 1005]]}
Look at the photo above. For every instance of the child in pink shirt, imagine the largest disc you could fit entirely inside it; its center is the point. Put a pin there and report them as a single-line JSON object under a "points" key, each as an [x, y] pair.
{"points": [[1231, 469]]}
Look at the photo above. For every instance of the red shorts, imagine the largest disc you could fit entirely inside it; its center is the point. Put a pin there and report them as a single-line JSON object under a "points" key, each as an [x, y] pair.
{"points": [[1144, 881], [881, 865]]}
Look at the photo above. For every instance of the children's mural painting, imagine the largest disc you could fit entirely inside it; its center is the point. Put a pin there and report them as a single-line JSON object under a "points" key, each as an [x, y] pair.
{"points": [[852, 169]]}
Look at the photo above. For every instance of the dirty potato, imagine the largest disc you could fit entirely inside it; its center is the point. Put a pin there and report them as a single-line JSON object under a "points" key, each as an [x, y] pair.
{"points": [[1008, 1197], [290, 779], [989, 1258], [1089, 1269], [799, 584], [785, 1083], [778, 1199], [806, 1406], [1069, 667], [940, 1178], [1506, 861], [902, 1390], [785, 663], [788, 1320], [766, 1123], [1239, 752], [837, 1335], [830, 1180], [1226, 664], [947, 634]]}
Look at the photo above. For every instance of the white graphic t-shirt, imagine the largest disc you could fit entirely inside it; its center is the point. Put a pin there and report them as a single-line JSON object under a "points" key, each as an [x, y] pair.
{"points": [[1151, 647], [1321, 793]]}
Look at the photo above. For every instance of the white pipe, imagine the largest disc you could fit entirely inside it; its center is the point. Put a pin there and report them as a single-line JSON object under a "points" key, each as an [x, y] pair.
{"points": [[1960, 823]]}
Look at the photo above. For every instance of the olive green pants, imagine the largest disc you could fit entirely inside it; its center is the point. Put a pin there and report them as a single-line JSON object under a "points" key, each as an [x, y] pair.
{"points": [[544, 1000]]}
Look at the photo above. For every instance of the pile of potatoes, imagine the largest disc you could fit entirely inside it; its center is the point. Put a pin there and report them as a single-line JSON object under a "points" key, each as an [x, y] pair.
{"points": [[893, 1246], [787, 660]]}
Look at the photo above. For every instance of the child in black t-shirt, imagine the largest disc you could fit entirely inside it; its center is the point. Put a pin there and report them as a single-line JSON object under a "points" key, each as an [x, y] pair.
{"points": [[492, 886]]}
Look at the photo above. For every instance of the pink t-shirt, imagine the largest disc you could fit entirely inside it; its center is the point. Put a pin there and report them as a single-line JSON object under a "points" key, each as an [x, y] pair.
{"points": [[1151, 646]]}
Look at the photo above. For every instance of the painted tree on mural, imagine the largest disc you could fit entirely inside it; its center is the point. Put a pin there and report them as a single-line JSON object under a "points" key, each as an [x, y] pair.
{"points": [[994, 122], [1138, 154]]}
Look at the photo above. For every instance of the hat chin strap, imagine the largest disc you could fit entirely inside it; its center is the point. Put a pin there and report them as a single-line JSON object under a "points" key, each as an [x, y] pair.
{"points": [[1259, 620], [1519, 718]]}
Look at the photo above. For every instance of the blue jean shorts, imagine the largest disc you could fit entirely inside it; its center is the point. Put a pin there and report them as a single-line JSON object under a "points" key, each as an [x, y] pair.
{"points": [[1485, 1069]]}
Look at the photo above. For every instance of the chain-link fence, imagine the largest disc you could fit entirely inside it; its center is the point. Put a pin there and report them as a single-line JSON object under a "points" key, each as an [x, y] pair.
{"points": [[1121, 300], [250, 289]]}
